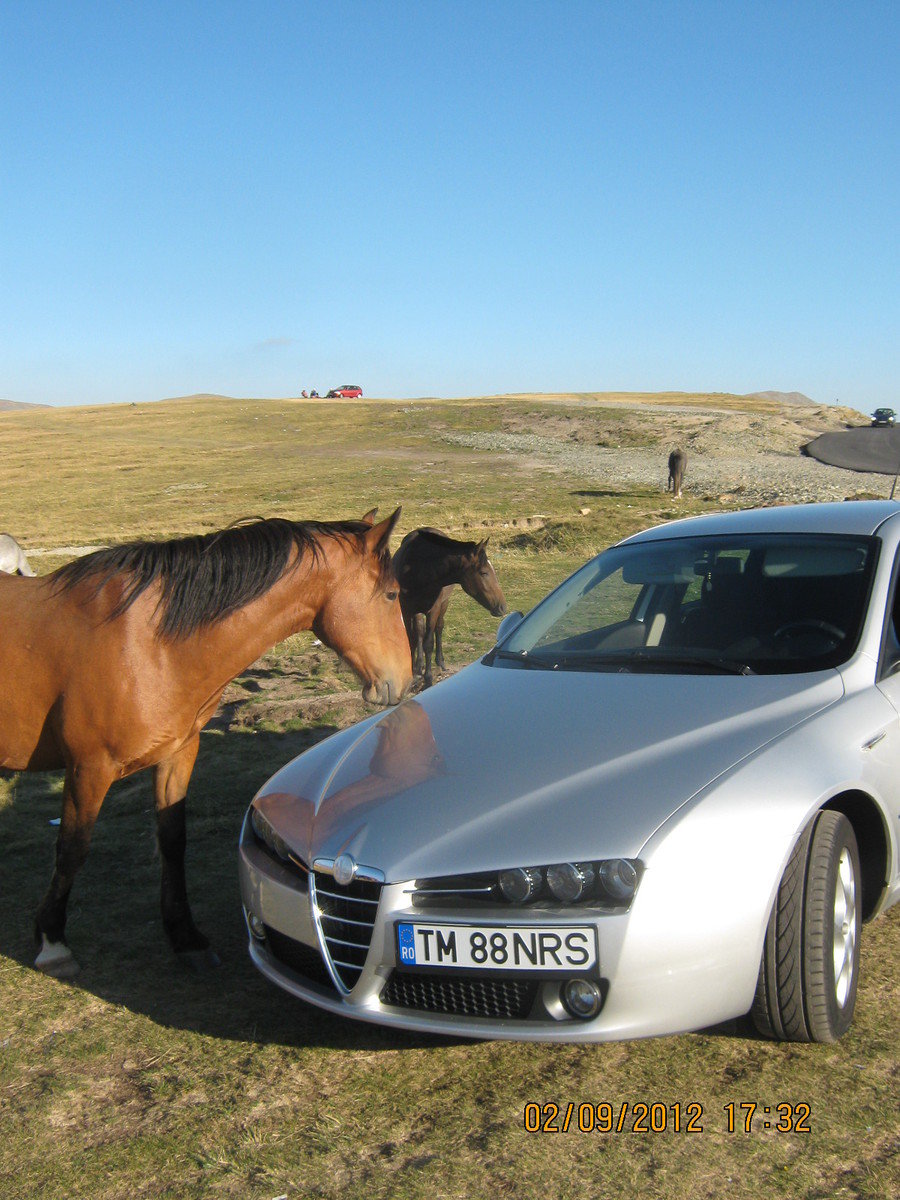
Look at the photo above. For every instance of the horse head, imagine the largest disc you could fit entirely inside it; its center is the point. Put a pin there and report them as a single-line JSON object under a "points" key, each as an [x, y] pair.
{"points": [[361, 618], [479, 580]]}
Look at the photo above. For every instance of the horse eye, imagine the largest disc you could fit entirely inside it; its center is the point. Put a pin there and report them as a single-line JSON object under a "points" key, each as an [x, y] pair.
{"points": [[392, 595]]}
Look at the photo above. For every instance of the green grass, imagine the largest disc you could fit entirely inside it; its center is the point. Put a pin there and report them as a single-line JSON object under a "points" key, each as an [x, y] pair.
{"points": [[139, 1080]]}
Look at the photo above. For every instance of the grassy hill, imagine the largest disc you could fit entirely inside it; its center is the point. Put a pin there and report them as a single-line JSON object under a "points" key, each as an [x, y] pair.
{"points": [[139, 1081], [6, 405]]}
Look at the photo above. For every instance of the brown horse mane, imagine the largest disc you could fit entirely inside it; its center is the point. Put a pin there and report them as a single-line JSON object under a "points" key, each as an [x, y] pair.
{"points": [[207, 577]]}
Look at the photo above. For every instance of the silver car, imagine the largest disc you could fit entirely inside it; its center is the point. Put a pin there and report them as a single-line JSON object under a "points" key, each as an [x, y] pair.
{"points": [[668, 797]]}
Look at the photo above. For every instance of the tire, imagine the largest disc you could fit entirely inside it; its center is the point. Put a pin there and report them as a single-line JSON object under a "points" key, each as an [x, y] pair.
{"points": [[808, 975]]}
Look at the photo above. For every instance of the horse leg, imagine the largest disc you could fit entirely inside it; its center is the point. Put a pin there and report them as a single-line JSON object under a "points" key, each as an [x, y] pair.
{"points": [[427, 648], [83, 794], [170, 784], [439, 641], [419, 641], [409, 623]]}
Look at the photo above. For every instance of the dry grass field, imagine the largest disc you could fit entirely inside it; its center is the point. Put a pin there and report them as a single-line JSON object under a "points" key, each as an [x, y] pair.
{"points": [[140, 1080]]}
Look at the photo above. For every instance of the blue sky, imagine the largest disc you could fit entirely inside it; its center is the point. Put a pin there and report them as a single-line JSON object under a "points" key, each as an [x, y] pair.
{"points": [[448, 198]]}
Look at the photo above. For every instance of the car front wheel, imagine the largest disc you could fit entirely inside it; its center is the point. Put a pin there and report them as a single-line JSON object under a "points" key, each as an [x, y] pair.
{"points": [[806, 991]]}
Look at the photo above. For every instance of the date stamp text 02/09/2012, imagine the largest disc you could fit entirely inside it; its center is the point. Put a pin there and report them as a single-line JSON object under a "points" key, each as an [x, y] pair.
{"points": [[640, 1117]]}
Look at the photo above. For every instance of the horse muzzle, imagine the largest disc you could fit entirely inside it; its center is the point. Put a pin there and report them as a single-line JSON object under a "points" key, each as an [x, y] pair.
{"points": [[382, 691]]}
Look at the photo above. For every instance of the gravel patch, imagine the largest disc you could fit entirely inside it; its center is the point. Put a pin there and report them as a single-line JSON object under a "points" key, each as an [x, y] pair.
{"points": [[753, 478]]}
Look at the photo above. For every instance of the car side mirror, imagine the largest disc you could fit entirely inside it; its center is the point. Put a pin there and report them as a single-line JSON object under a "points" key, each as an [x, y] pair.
{"points": [[508, 624]]}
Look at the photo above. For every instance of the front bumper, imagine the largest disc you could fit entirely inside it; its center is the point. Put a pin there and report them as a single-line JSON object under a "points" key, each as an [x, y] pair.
{"points": [[651, 982]]}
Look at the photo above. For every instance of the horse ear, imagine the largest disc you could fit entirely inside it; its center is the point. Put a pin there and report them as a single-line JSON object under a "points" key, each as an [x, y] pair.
{"points": [[482, 546], [369, 517], [379, 535]]}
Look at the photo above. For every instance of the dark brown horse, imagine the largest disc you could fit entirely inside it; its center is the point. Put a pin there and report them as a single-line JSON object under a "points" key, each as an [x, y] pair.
{"points": [[121, 658], [428, 565], [677, 468]]}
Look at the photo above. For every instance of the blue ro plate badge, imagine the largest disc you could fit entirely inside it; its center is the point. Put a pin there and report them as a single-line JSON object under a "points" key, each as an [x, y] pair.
{"points": [[544, 948]]}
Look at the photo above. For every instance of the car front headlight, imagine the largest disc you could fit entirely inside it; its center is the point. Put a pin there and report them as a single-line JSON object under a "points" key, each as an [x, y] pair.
{"points": [[618, 878], [608, 883], [520, 885], [267, 835], [569, 881]]}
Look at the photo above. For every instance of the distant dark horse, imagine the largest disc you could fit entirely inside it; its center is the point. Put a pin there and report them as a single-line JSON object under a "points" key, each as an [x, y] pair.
{"points": [[428, 565], [119, 660], [12, 556], [677, 468]]}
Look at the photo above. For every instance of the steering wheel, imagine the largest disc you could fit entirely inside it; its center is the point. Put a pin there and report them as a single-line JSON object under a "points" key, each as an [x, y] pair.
{"points": [[795, 628]]}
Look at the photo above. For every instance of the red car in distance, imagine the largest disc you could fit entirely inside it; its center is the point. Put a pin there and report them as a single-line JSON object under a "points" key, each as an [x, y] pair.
{"points": [[347, 391]]}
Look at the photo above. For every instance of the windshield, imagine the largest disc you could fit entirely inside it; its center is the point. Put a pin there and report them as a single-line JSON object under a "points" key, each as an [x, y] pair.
{"points": [[768, 604]]}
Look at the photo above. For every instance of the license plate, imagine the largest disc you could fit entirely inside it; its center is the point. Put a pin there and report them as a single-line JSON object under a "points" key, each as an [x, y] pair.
{"points": [[544, 948]]}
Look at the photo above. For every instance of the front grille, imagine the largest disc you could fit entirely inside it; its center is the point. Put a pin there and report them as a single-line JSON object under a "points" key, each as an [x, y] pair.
{"points": [[460, 996], [346, 916], [304, 960]]}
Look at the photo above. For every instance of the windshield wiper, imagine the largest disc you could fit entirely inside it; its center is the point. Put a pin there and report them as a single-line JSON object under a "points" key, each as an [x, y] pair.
{"points": [[640, 659], [525, 659], [627, 661]]}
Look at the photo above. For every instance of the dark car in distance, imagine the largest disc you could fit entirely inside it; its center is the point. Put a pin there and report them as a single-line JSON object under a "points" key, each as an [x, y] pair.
{"points": [[347, 391], [883, 416]]}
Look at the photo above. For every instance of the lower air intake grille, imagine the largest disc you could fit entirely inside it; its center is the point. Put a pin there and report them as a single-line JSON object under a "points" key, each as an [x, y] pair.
{"points": [[304, 960], [346, 916], [459, 996]]}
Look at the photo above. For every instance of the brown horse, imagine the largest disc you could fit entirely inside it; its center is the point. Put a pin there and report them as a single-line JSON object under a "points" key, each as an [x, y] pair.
{"points": [[428, 565], [677, 468], [122, 657]]}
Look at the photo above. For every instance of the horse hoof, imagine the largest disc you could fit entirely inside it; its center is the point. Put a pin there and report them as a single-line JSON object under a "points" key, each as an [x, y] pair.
{"points": [[56, 959], [199, 960]]}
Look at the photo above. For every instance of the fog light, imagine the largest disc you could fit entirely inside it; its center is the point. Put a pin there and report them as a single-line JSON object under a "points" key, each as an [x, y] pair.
{"points": [[519, 884], [256, 926], [581, 998], [569, 881], [619, 878]]}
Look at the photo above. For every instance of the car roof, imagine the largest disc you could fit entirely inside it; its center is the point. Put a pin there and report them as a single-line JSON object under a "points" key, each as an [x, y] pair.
{"points": [[861, 517]]}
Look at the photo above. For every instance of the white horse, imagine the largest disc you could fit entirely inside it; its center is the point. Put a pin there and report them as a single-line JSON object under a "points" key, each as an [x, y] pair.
{"points": [[12, 556]]}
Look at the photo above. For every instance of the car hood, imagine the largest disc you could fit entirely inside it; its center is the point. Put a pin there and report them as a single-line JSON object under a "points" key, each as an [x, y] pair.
{"points": [[501, 767]]}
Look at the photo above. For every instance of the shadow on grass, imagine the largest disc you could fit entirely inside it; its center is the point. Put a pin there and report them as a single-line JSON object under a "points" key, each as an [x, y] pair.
{"points": [[634, 493], [114, 927], [597, 493]]}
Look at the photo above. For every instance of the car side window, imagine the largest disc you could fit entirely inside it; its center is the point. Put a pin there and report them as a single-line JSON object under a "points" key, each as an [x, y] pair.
{"points": [[894, 623], [890, 655]]}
